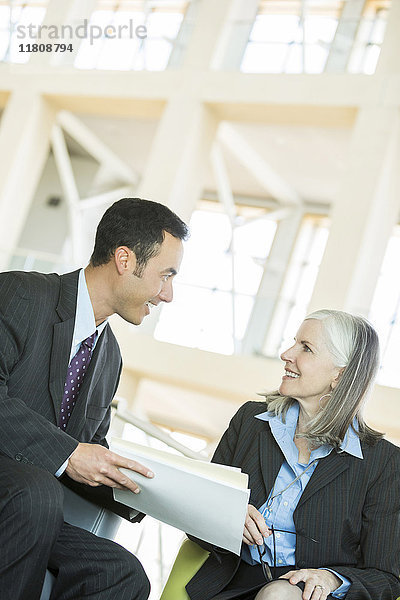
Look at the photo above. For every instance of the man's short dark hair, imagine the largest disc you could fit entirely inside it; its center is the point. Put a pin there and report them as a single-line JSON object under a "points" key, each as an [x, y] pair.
{"points": [[138, 224]]}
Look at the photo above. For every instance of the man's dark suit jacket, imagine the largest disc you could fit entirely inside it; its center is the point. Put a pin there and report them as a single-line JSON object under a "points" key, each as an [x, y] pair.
{"points": [[37, 317], [351, 506]]}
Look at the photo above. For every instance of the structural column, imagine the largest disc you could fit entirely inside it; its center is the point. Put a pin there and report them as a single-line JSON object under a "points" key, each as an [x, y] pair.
{"points": [[235, 35], [68, 15], [342, 45], [174, 171], [363, 215], [368, 202], [272, 281], [24, 146]]}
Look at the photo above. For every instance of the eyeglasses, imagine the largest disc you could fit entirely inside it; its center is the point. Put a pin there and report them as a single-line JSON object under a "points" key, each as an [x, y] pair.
{"points": [[262, 551]]}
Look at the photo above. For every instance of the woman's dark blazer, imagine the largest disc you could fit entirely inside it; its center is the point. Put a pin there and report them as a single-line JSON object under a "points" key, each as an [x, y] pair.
{"points": [[351, 506]]}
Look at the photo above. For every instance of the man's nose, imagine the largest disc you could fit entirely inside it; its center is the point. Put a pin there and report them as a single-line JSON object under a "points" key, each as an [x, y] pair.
{"points": [[167, 292]]}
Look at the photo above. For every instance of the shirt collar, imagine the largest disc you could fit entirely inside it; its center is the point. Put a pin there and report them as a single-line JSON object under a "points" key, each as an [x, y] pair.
{"points": [[85, 324], [351, 443]]}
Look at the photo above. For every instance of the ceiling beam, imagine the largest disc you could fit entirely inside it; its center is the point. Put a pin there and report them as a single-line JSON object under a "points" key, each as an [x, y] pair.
{"points": [[98, 91], [259, 168], [86, 138]]}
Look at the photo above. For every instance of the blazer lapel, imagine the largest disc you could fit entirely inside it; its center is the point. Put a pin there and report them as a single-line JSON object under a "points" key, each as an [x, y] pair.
{"points": [[62, 338], [96, 368], [328, 468], [271, 459]]}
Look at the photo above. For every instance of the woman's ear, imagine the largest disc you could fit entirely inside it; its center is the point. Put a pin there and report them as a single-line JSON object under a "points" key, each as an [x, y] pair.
{"points": [[337, 378]]}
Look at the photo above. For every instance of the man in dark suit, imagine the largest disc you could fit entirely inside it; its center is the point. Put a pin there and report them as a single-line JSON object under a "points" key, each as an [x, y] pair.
{"points": [[59, 369]]}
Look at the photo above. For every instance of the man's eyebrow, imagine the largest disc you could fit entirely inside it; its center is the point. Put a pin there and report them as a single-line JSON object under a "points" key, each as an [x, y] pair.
{"points": [[170, 270]]}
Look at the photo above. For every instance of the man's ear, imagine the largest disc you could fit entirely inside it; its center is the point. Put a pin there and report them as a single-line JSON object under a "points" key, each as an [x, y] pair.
{"points": [[125, 260], [337, 378]]}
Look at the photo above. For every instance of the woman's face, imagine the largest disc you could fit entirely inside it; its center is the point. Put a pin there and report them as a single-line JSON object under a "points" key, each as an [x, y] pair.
{"points": [[309, 369]]}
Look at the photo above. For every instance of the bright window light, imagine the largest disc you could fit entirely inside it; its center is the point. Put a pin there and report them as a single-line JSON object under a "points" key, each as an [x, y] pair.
{"points": [[219, 278], [124, 51], [299, 284], [291, 37], [18, 15], [275, 28], [296, 36], [385, 313], [369, 38]]}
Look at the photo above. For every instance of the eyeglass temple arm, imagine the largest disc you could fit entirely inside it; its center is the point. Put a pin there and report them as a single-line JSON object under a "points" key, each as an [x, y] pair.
{"points": [[295, 533]]}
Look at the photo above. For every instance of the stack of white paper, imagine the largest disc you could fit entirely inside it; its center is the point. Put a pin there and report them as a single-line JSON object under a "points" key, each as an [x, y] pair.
{"points": [[204, 499]]}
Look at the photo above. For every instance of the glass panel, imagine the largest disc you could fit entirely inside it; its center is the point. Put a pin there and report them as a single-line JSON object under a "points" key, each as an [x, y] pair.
{"points": [[4, 30], [319, 29], [125, 50], [370, 35], [385, 313], [264, 58], [315, 58], [274, 28], [19, 27], [207, 312], [299, 284], [282, 24]]}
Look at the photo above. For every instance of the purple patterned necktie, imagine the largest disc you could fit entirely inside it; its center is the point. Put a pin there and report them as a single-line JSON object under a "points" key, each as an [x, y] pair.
{"points": [[76, 372]]}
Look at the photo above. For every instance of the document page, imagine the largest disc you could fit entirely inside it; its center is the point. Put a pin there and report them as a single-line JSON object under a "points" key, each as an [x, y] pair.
{"points": [[204, 499]]}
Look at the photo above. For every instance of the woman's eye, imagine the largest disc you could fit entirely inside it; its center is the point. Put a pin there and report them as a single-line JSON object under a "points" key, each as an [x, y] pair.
{"points": [[306, 348]]}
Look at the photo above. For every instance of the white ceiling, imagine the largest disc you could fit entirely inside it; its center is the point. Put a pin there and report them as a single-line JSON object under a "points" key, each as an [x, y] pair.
{"points": [[311, 159]]}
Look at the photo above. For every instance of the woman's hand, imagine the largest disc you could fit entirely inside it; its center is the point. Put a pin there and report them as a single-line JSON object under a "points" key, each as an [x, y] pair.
{"points": [[319, 582], [255, 528]]}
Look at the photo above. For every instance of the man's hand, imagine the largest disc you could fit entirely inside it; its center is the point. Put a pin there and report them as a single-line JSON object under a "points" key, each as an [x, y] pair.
{"points": [[95, 465], [255, 528]]}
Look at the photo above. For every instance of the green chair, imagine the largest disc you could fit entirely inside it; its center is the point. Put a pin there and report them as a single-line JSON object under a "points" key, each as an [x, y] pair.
{"points": [[188, 561]]}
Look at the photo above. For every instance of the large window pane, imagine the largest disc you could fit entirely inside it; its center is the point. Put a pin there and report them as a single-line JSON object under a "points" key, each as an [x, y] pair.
{"points": [[125, 51], [385, 313], [299, 284], [219, 278], [296, 36]]}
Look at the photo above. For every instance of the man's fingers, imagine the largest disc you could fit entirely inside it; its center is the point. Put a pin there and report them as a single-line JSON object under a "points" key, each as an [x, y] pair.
{"points": [[113, 477], [95, 465], [125, 482], [132, 465]]}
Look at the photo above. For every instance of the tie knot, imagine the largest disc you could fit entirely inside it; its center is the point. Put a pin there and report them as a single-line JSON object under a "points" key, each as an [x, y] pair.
{"points": [[89, 342]]}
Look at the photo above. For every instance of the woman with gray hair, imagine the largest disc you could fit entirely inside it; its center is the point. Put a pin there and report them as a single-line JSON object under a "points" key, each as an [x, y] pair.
{"points": [[324, 513]]}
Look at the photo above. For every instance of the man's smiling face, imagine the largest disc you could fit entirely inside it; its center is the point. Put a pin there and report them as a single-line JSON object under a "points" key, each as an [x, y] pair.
{"points": [[135, 295]]}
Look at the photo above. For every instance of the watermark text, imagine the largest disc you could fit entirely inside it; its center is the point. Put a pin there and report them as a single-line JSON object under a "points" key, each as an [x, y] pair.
{"points": [[84, 30]]}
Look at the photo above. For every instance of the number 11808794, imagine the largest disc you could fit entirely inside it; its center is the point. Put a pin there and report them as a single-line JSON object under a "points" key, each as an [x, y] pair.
{"points": [[45, 48]]}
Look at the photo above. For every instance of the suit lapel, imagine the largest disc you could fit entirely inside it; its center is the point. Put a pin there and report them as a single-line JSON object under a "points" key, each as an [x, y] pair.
{"points": [[62, 338], [96, 368], [328, 468], [271, 459]]}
